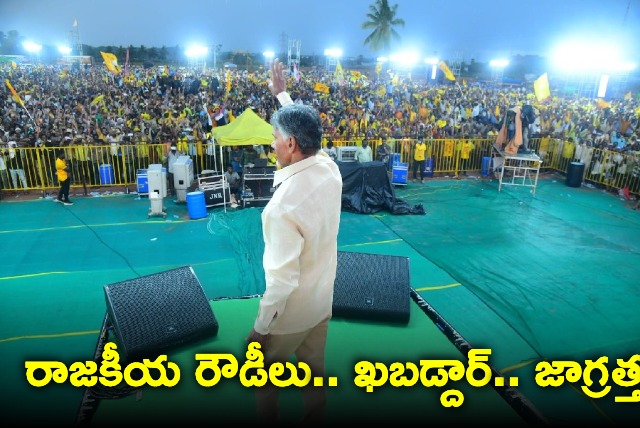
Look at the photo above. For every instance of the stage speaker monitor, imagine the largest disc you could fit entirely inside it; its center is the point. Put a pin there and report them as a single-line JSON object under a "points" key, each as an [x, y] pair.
{"points": [[155, 313], [372, 287], [260, 187]]}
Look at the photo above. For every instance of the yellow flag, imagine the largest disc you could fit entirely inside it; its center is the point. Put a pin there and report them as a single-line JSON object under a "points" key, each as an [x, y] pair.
{"points": [[338, 75], [13, 92], [447, 72], [602, 104], [228, 81], [111, 61], [321, 87], [97, 99], [100, 134], [541, 87]]}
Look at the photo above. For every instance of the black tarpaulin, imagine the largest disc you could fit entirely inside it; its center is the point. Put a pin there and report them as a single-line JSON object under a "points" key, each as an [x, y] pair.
{"points": [[367, 188]]}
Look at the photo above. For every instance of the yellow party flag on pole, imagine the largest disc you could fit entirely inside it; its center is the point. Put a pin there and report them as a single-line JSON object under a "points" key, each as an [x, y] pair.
{"points": [[18, 99], [338, 74], [97, 99], [602, 104], [111, 61], [446, 70], [321, 87], [541, 87], [13, 92]]}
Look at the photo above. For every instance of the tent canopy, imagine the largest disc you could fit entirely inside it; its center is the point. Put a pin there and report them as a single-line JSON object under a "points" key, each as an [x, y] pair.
{"points": [[247, 129]]}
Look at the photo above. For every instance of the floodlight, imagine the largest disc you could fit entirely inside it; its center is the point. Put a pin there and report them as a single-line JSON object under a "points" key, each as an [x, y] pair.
{"points": [[64, 50], [498, 63], [32, 47], [196, 51], [335, 52], [404, 59]]}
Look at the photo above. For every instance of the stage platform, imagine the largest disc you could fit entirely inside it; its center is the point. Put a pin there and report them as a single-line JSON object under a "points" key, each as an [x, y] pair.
{"points": [[533, 279]]}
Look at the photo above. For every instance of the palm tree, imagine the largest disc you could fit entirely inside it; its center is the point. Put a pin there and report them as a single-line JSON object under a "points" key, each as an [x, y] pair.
{"points": [[382, 19]]}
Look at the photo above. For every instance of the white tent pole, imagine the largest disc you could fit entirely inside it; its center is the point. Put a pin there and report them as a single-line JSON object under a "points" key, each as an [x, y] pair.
{"points": [[224, 194]]}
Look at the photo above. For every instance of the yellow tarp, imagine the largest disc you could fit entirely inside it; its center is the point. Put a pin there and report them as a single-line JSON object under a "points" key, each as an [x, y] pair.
{"points": [[247, 129]]}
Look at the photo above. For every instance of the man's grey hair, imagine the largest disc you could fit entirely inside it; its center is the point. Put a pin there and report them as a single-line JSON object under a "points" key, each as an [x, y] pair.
{"points": [[302, 122]]}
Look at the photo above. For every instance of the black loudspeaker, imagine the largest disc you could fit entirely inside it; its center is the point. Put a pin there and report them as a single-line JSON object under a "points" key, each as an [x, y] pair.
{"points": [[255, 203], [260, 167], [154, 313], [372, 287], [260, 186]]}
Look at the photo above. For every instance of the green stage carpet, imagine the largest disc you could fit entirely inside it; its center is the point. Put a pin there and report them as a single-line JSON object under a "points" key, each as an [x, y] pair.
{"points": [[533, 278]]}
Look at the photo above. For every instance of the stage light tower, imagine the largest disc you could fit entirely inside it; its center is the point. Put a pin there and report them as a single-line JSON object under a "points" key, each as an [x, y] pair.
{"points": [[268, 57], [33, 49], [498, 66], [333, 55]]}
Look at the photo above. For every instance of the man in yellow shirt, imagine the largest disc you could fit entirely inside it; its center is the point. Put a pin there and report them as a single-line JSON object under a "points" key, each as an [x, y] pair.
{"points": [[63, 179], [419, 159]]}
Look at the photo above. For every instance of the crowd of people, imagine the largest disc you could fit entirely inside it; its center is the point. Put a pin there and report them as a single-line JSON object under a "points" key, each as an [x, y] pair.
{"points": [[88, 106]]}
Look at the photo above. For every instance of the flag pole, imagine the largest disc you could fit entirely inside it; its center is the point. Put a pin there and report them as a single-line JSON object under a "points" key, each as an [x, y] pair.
{"points": [[29, 114], [17, 97], [458, 85]]}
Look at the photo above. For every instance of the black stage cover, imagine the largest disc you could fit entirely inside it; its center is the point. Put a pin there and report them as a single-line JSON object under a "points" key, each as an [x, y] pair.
{"points": [[367, 189]]}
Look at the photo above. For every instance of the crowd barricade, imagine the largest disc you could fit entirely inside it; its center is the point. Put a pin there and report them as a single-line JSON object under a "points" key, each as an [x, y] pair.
{"points": [[110, 165]]}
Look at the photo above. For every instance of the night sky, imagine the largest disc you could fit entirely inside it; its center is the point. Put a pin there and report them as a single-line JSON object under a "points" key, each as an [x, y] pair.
{"points": [[464, 28]]}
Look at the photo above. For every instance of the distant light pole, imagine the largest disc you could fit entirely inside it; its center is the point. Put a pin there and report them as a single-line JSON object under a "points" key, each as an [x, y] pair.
{"points": [[66, 52], [433, 62], [333, 55], [216, 52], [403, 63], [498, 66], [196, 53]]}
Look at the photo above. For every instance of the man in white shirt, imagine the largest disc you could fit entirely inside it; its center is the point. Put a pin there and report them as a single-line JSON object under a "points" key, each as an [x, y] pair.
{"points": [[300, 230], [364, 153], [172, 157], [235, 184], [330, 150]]}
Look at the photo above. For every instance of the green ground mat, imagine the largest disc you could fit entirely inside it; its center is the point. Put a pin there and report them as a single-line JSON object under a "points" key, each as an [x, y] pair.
{"points": [[551, 276]]}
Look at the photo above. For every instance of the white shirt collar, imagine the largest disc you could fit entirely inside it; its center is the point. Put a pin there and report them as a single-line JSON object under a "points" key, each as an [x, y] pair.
{"points": [[286, 172]]}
